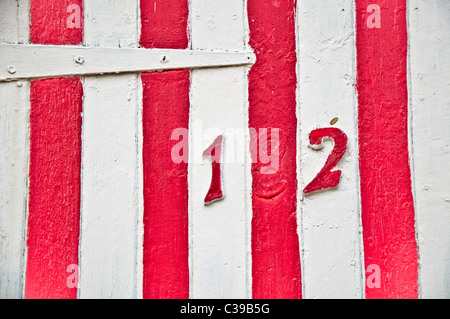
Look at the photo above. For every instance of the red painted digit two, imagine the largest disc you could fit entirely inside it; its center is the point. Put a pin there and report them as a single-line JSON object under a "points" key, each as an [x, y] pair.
{"points": [[326, 177], [215, 190]]}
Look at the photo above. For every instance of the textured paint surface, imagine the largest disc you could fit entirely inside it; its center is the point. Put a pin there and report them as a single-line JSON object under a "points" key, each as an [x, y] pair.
{"points": [[272, 92], [55, 160], [14, 111], [14, 137], [220, 254], [166, 107], [386, 195], [429, 38], [111, 213], [54, 186], [164, 24], [110, 210], [14, 21], [329, 220], [219, 234], [49, 22]]}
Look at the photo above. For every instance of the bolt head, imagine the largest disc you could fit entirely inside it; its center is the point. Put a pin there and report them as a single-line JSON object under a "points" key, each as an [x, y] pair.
{"points": [[11, 69]]}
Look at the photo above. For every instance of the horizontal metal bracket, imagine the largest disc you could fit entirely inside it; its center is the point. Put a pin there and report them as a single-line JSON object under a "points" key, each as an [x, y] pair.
{"points": [[23, 61]]}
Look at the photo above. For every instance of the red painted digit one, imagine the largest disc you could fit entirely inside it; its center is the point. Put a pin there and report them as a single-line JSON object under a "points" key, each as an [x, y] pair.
{"points": [[327, 178], [215, 190]]}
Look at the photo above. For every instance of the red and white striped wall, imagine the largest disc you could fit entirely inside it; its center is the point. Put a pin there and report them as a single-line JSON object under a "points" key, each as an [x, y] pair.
{"points": [[93, 203]]}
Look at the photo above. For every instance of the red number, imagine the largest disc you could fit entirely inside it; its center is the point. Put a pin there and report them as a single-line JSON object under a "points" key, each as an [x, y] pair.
{"points": [[327, 178], [215, 152]]}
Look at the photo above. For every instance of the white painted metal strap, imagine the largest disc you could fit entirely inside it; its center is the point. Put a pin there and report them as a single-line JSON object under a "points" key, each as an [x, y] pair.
{"points": [[44, 61]]}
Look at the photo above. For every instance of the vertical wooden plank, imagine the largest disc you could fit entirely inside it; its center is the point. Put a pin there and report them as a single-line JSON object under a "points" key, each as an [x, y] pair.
{"points": [[14, 21], [429, 60], [55, 160], [166, 273], [272, 89], [111, 209], [54, 189], [14, 113], [219, 232], [165, 109], [332, 264], [387, 207]]}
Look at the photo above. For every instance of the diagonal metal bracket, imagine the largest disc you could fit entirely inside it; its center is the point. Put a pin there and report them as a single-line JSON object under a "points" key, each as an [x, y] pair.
{"points": [[23, 61]]}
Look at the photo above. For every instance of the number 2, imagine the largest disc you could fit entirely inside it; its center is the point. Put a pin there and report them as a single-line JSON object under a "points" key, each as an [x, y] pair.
{"points": [[326, 177]]}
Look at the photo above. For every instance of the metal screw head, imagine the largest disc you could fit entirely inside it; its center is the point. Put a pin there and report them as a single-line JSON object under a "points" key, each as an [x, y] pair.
{"points": [[11, 69], [164, 59], [79, 60]]}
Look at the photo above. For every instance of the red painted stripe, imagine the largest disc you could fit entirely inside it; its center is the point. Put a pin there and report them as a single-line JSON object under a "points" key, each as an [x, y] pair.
{"points": [[272, 86], [55, 161], [386, 195], [165, 108], [54, 190], [49, 22], [164, 24]]}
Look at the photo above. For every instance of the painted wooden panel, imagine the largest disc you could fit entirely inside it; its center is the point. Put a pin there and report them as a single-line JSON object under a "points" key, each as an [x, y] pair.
{"points": [[14, 112], [14, 21], [54, 186], [111, 210], [113, 172], [276, 269], [429, 77], [14, 136], [55, 162], [166, 269], [165, 109], [387, 207], [219, 232], [329, 220]]}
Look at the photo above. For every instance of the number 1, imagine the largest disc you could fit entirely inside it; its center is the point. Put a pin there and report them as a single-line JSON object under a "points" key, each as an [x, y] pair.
{"points": [[215, 192]]}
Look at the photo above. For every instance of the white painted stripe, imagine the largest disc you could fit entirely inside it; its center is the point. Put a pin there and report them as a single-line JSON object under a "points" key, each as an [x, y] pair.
{"points": [[429, 87], [329, 221], [14, 115], [45, 61], [219, 233], [111, 211], [14, 21], [14, 156]]}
